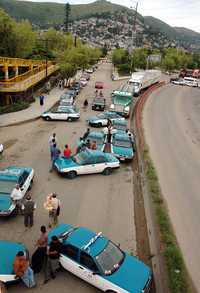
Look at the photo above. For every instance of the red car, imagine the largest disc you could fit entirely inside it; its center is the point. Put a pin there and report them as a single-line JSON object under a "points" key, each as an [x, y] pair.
{"points": [[99, 85]]}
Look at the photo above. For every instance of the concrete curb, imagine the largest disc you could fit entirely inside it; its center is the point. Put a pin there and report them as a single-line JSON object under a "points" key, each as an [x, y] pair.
{"points": [[27, 120], [157, 260]]}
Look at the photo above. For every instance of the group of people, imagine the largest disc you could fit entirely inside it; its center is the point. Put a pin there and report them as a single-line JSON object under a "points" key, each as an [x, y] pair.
{"points": [[45, 257], [98, 93]]}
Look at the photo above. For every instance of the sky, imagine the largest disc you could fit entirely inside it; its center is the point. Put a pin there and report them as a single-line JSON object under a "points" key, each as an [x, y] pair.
{"points": [[180, 13]]}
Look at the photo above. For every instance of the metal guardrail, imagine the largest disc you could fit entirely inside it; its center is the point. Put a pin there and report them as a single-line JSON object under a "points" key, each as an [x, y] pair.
{"points": [[19, 61]]}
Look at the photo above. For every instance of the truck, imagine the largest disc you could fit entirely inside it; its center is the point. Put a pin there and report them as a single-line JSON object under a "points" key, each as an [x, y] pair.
{"points": [[141, 80], [121, 100]]}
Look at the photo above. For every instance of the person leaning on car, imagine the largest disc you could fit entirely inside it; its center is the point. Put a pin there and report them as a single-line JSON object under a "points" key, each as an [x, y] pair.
{"points": [[17, 196]]}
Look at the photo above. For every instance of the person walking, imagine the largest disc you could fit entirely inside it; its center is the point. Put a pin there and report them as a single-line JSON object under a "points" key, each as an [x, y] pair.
{"points": [[53, 254], [53, 139], [67, 151], [41, 97], [28, 209], [55, 153], [85, 135], [22, 270], [39, 256], [55, 210]]}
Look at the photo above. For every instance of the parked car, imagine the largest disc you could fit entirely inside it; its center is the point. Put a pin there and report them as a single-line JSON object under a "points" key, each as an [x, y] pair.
{"points": [[86, 76], [62, 113], [99, 85], [67, 97], [99, 104], [83, 81], [9, 177], [101, 120], [8, 251], [97, 260], [87, 162], [122, 146], [67, 102], [89, 70], [71, 92], [98, 136]]}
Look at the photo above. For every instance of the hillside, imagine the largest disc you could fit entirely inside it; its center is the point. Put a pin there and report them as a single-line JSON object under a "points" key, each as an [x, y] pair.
{"points": [[154, 32]]}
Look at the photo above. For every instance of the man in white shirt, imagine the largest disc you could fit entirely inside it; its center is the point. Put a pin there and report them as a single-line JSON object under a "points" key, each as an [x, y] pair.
{"points": [[17, 196], [1, 148], [52, 139]]}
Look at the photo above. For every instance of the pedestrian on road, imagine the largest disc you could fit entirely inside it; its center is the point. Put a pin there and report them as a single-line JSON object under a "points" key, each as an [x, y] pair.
{"points": [[67, 151], [1, 149], [85, 135], [22, 270], [53, 254], [53, 136], [55, 210], [55, 153], [48, 87], [16, 197], [41, 100], [28, 208], [85, 104], [96, 93], [88, 144], [39, 256]]}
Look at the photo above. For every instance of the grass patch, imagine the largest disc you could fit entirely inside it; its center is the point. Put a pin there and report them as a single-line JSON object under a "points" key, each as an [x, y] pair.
{"points": [[14, 107], [177, 273]]}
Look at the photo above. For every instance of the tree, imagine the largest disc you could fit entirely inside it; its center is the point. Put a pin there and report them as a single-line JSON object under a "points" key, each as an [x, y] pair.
{"points": [[67, 70], [67, 16]]}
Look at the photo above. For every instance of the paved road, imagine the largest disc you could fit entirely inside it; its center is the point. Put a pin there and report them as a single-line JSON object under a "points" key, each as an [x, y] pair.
{"points": [[102, 203], [172, 128]]}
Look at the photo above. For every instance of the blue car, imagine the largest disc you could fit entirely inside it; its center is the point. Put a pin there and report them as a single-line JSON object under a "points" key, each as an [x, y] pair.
{"points": [[8, 251], [87, 162], [98, 137], [98, 261], [122, 146], [101, 120], [9, 177]]}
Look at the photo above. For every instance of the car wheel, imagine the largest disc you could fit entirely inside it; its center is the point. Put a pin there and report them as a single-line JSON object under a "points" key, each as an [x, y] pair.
{"points": [[111, 291], [99, 124], [71, 174], [107, 171], [48, 118], [69, 119]]}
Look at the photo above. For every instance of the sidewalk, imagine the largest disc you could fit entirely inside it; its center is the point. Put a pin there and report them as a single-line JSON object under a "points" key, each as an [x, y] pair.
{"points": [[33, 112]]}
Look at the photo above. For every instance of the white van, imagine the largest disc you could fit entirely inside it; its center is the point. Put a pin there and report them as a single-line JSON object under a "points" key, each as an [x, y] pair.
{"points": [[190, 81]]}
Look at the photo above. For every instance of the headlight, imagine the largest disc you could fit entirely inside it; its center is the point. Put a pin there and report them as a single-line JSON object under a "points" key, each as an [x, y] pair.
{"points": [[112, 106], [127, 109]]}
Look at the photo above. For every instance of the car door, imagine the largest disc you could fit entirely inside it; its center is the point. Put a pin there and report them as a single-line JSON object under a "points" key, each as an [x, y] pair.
{"points": [[62, 115], [89, 272], [69, 258], [89, 166], [100, 163]]}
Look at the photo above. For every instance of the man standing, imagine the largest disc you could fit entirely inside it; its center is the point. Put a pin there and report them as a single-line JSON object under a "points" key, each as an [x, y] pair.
{"points": [[67, 152], [22, 270], [17, 196], [53, 252], [28, 208], [51, 138], [41, 100], [55, 211], [55, 152]]}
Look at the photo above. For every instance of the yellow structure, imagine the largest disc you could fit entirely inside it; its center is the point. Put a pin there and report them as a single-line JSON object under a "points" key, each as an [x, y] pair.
{"points": [[35, 71]]}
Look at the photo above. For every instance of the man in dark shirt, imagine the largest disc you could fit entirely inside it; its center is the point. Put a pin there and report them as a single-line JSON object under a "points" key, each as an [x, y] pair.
{"points": [[53, 252]]}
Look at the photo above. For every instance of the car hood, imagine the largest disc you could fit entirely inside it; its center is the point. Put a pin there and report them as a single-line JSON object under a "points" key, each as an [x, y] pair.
{"points": [[127, 152], [5, 202], [131, 276], [62, 163], [94, 118]]}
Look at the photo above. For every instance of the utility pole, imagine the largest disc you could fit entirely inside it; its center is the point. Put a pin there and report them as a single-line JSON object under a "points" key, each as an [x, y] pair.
{"points": [[67, 15], [134, 32]]}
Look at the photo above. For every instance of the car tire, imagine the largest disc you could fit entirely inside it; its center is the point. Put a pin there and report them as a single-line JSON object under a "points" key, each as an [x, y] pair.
{"points": [[48, 118], [99, 124], [71, 174], [111, 291], [107, 171], [69, 119]]}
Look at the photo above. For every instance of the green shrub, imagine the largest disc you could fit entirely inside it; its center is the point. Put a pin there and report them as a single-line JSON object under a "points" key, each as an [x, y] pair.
{"points": [[14, 107]]}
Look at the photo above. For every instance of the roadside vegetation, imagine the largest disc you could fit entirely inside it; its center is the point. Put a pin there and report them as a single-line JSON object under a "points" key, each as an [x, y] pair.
{"points": [[171, 59], [177, 273]]}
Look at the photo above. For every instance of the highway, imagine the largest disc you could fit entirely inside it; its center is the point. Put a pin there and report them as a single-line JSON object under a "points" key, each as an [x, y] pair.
{"points": [[102, 203], [171, 120]]}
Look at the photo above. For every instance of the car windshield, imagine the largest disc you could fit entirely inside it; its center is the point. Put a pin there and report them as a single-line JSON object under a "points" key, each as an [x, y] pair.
{"points": [[99, 140], [110, 258], [122, 143], [101, 116], [99, 101], [7, 186], [80, 158]]}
